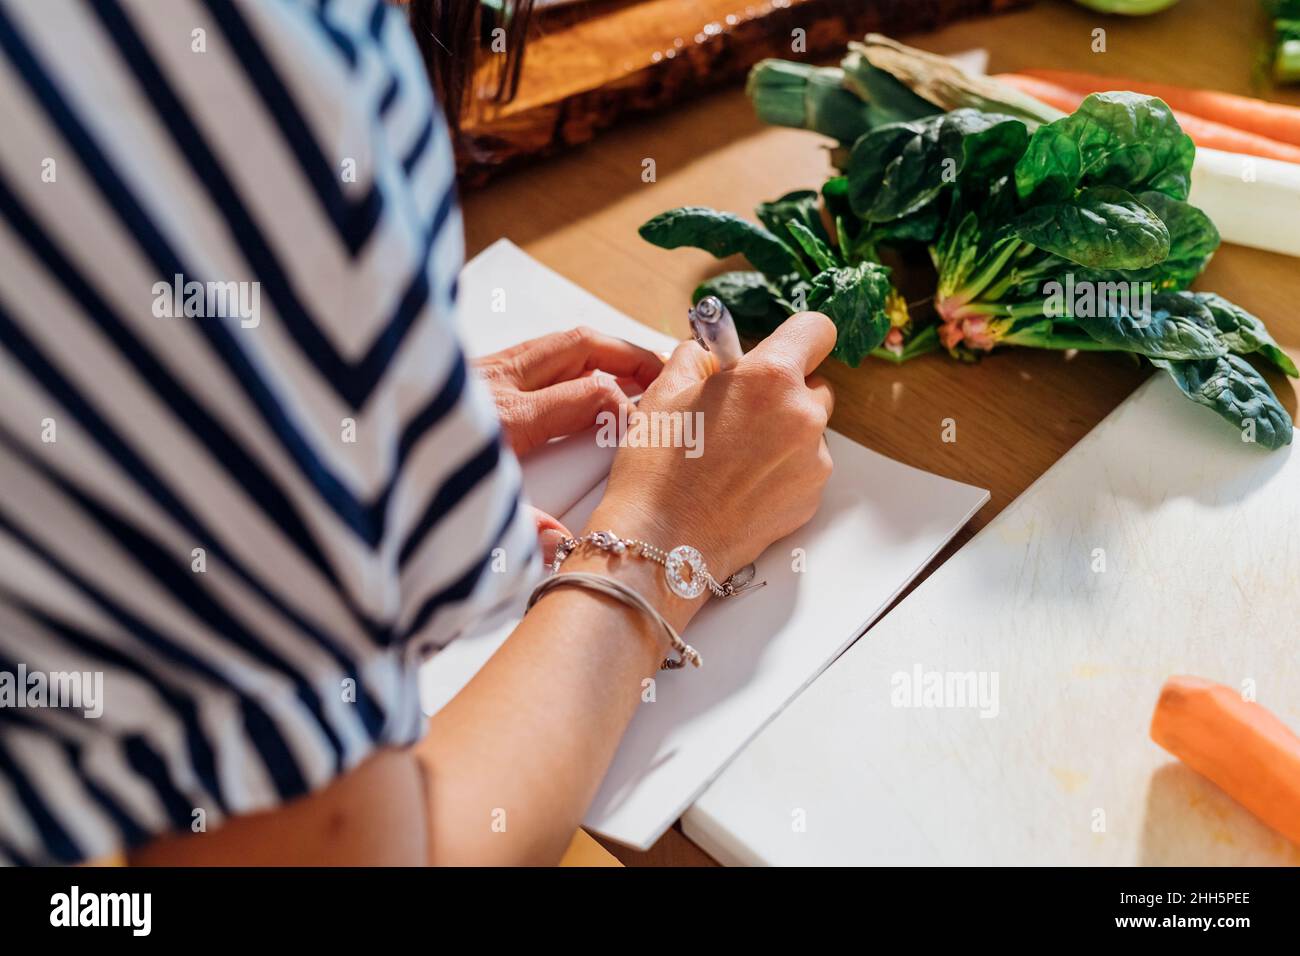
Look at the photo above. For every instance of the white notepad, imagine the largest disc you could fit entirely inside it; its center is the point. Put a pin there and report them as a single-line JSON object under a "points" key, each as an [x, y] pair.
{"points": [[880, 522]]}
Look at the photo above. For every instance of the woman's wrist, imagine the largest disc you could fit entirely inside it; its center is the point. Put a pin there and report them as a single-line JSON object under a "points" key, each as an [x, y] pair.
{"points": [[646, 576]]}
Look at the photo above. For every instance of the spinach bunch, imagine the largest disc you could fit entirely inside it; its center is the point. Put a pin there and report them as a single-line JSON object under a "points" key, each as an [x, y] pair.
{"points": [[1095, 201], [1038, 232]]}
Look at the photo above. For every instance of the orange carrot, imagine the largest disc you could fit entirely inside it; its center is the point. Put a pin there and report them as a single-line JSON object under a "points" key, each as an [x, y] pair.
{"points": [[1276, 121], [1237, 744], [1053, 94], [1204, 132], [1214, 135]]}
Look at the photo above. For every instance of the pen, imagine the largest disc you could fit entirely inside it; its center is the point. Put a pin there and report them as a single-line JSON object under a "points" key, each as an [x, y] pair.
{"points": [[715, 330]]}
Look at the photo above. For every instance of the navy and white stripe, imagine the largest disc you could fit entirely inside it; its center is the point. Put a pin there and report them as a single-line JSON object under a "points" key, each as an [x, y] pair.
{"points": [[287, 143]]}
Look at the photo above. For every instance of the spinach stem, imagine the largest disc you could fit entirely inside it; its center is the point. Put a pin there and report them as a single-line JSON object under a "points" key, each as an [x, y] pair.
{"points": [[1021, 310], [1018, 275], [1057, 340], [985, 276]]}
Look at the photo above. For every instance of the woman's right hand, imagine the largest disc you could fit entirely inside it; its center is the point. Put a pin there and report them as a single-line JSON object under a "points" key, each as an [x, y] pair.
{"points": [[763, 460]]}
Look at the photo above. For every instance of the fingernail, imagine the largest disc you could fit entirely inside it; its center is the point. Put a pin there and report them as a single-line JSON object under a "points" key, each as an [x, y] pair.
{"points": [[549, 540]]}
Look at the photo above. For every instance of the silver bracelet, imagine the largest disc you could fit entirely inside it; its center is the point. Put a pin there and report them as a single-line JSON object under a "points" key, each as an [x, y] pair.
{"points": [[687, 574], [621, 592]]}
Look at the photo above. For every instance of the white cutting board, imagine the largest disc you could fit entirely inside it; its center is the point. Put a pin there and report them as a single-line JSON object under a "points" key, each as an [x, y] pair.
{"points": [[1201, 538]]}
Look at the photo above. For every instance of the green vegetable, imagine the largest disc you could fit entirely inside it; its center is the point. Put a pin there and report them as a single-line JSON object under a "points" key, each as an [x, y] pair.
{"points": [[857, 299], [1046, 231], [807, 97], [796, 208], [1286, 59], [890, 101], [1236, 391], [1102, 227], [1177, 326], [842, 103], [800, 205], [1050, 167], [899, 169], [813, 246], [723, 234], [939, 82], [1132, 8], [927, 340], [1121, 139], [1244, 334], [754, 302], [1193, 240], [1286, 39], [983, 144]]}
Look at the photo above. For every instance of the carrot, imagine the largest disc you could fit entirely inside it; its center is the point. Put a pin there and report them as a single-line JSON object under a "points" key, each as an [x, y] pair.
{"points": [[1214, 135], [1276, 121], [1204, 132], [1053, 94], [1237, 744]]}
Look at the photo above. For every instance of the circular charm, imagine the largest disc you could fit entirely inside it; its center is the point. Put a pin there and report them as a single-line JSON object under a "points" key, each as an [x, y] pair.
{"points": [[685, 571]]}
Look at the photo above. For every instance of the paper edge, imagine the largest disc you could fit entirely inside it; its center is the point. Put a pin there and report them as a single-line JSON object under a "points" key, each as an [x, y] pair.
{"points": [[683, 810]]}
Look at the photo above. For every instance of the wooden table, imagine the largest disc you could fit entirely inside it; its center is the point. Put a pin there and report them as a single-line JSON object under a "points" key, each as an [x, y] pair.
{"points": [[1017, 411]]}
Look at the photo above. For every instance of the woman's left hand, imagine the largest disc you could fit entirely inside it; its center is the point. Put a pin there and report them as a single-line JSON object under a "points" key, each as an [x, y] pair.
{"points": [[557, 384]]}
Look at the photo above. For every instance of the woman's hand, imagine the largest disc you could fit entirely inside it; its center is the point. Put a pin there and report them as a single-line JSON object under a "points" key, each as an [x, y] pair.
{"points": [[763, 460], [557, 384], [759, 476]]}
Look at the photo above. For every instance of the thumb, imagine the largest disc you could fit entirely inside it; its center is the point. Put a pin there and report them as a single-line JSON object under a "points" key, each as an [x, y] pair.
{"points": [[688, 363]]}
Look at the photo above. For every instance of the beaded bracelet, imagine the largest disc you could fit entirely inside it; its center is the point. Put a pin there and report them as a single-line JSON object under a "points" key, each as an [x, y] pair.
{"points": [[684, 568]]}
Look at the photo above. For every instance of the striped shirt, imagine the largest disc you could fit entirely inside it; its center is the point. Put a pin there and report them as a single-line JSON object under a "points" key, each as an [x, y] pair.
{"points": [[245, 477]]}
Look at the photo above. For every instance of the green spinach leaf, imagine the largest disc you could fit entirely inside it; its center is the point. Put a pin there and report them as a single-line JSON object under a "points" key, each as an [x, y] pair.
{"points": [[818, 251], [798, 206], [1243, 333], [1050, 168], [986, 146], [753, 301], [897, 170], [1193, 240], [1132, 141], [1103, 227], [1177, 327], [722, 234], [1236, 391], [857, 299]]}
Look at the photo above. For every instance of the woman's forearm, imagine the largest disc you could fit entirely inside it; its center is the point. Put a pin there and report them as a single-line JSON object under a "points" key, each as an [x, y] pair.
{"points": [[513, 761]]}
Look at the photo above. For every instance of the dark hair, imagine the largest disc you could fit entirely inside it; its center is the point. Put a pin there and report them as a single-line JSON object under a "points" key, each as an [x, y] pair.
{"points": [[450, 35]]}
